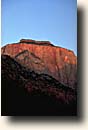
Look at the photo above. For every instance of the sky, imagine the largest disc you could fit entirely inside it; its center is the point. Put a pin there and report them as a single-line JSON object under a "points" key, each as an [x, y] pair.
{"points": [[53, 20]]}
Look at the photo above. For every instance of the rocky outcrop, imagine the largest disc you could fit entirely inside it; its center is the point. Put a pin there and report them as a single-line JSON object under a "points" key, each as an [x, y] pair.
{"points": [[30, 41], [43, 57]]}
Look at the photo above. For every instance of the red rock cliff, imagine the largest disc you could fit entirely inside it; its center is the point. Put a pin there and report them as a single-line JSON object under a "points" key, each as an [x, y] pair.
{"points": [[43, 57]]}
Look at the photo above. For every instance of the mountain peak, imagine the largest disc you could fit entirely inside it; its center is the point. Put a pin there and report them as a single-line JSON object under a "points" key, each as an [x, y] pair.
{"points": [[30, 41], [43, 57]]}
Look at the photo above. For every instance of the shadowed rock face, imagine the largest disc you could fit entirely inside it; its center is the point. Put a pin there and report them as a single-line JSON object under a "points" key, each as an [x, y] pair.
{"points": [[25, 92], [43, 57]]}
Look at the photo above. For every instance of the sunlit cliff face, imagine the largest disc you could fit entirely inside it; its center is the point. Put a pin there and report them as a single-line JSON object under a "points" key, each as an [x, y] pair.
{"points": [[44, 57]]}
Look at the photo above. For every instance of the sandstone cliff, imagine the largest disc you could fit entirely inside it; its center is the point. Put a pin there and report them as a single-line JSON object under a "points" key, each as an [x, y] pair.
{"points": [[44, 57]]}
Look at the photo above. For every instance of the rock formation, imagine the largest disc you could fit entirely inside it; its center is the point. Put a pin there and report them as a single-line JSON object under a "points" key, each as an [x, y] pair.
{"points": [[44, 57]]}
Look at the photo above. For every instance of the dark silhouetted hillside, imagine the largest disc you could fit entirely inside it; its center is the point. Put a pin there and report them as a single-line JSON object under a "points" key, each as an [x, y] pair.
{"points": [[25, 92]]}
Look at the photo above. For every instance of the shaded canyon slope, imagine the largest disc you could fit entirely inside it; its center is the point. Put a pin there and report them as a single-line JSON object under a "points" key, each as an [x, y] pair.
{"points": [[25, 92], [45, 58]]}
